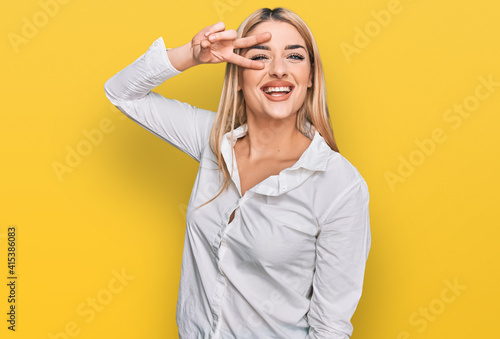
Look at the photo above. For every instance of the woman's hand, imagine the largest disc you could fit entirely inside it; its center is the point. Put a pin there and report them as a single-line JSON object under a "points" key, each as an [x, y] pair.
{"points": [[214, 44]]}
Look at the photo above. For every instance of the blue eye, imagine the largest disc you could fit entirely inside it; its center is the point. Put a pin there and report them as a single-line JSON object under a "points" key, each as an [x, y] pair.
{"points": [[292, 56], [258, 57], [297, 56]]}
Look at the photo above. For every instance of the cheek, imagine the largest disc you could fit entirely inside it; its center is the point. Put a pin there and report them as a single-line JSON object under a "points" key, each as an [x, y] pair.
{"points": [[305, 74], [249, 82]]}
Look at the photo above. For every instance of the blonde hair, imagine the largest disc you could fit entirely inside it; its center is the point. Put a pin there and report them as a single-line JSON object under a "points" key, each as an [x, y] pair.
{"points": [[232, 109]]}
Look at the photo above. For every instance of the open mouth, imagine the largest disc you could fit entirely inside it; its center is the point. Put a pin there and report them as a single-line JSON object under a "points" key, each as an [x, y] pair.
{"points": [[277, 91]]}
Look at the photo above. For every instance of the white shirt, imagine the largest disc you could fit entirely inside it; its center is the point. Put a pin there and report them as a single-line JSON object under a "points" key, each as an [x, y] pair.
{"points": [[305, 231]]}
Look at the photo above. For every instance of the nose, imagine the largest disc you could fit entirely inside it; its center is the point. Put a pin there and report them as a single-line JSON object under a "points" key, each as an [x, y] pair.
{"points": [[277, 68]]}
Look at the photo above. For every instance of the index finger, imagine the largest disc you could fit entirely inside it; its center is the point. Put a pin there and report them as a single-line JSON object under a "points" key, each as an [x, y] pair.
{"points": [[244, 62], [252, 40]]}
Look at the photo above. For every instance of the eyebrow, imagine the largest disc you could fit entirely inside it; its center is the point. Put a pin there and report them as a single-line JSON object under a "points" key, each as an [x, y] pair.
{"points": [[266, 47]]}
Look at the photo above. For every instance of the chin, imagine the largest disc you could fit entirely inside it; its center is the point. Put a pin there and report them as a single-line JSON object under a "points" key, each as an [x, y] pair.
{"points": [[280, 115]]}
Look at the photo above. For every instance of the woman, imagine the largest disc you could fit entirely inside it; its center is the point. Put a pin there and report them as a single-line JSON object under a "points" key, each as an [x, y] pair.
{"points": [[278, 230]]}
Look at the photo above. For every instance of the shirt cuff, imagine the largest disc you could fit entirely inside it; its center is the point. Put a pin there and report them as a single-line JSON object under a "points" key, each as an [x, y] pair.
{"points": [[157, 53]]}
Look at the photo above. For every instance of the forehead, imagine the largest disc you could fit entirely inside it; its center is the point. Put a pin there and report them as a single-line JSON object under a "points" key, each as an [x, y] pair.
{"points": [[282, 33]]}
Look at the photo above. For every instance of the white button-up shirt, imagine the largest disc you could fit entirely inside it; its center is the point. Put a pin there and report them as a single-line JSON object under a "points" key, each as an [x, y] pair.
{"points": [[291, 263]]}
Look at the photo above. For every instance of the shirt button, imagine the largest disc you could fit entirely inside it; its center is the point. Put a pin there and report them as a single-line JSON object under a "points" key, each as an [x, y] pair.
{"points": [[283, 188], [156, 43]]}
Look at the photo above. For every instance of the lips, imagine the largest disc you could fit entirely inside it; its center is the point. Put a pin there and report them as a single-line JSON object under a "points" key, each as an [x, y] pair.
{"points": [[277, 90]]}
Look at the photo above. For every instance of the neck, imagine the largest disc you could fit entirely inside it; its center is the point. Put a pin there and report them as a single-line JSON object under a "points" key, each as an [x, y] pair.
{"points": [[275, 138]]}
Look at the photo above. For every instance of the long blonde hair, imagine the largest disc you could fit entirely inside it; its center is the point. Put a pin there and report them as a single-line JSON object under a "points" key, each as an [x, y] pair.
{"points": [[232, 109]]}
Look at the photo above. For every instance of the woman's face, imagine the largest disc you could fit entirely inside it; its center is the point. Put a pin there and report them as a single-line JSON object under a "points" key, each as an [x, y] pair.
{"points": [[278, 90]]}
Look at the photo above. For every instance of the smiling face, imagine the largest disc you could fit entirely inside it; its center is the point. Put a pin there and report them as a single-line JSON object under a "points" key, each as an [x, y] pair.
{"points": [[278, 90]]}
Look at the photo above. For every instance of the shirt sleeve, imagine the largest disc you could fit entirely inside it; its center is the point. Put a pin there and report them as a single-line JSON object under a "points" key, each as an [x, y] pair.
{"points": [[183, 126], [342, 248]]}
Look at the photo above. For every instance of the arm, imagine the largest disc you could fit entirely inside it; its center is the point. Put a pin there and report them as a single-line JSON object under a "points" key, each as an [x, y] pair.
{"points": [[342, 249], [184, 126]]}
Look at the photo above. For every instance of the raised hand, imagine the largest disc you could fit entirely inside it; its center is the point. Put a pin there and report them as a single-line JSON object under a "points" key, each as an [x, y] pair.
{"points": [[214, 44]]}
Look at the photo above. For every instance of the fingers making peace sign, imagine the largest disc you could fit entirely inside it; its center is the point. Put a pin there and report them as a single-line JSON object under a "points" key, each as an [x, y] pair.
{"points": [[214, 44]]}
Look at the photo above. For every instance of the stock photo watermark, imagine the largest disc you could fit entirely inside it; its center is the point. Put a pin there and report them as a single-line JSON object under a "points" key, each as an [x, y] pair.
{"points": [[454, 116], [425, 315], [75, 154], [372, 29], [31, 26], [270, 305], [92, 305], [12, 275], [223, 6]]}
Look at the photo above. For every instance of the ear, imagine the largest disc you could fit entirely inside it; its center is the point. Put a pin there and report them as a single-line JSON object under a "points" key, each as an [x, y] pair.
{"points": [[310, 79], [239, 78]]}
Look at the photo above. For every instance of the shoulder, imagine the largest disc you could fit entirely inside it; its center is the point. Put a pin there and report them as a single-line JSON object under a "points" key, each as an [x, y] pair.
{"points": [[333, 169], [340, 171], [338, 179]]}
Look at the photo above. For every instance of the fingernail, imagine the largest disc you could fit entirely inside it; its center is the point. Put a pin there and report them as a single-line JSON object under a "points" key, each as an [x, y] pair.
{"points": [[211, 38]]}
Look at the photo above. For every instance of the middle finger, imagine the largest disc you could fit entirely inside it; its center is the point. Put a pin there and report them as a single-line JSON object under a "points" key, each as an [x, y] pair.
{"points": [[252, 40], [226, 35]]}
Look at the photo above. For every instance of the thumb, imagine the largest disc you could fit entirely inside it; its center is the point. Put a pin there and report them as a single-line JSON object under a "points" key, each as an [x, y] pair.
{"points": [[205, 47]]}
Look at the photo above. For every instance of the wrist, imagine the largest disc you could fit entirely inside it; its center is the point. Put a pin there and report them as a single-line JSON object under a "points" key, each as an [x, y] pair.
{"points": [[182, 57]]}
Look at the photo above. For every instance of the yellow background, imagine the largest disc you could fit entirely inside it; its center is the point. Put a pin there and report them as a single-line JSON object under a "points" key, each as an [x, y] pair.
{"points": [[123, 205]]}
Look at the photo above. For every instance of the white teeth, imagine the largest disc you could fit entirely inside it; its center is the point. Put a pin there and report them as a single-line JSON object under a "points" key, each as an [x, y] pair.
{"points": [[277, 89]]}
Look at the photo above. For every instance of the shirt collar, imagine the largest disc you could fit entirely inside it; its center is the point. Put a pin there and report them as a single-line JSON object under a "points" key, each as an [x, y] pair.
{"points": [[314, 158]]}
